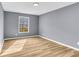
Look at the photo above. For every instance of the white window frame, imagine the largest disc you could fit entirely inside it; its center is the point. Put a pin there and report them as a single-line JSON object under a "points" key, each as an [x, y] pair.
{"points": [[19, 23]]}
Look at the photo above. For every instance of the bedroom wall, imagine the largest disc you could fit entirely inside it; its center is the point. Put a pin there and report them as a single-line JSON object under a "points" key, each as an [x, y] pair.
{"points": [[1, 27], [61, 25], [11, 24]]}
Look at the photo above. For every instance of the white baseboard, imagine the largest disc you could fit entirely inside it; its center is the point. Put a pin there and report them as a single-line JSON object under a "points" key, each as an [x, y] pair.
{"points": [[60, 43], [20, 37]]}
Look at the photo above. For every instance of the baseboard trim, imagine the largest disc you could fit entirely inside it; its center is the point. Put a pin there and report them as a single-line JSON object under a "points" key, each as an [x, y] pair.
{"points": [[21, 37], [60, 43]]}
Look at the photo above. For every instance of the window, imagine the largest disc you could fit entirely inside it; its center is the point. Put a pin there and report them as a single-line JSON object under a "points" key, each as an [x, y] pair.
{"points": [[23, 24]]}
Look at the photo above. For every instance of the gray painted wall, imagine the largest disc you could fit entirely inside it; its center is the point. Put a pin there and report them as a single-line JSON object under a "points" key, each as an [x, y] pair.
{"points": [[61, 25], [1, 27], [11, 24]]}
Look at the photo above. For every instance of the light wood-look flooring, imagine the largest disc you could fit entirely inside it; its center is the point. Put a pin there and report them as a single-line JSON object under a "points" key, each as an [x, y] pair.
{"points": [[35, 47]]}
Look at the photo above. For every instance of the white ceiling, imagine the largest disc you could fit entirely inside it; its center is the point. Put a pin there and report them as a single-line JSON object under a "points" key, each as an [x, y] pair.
{"points": [[28, 8]]}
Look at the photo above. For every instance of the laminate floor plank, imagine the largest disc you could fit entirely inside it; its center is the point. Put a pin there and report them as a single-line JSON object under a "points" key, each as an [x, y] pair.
{"points": [[36, 47]]}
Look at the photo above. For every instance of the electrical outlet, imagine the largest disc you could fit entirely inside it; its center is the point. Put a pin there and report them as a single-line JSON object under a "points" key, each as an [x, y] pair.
{"points": [[77, 43], [16, 34]]}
